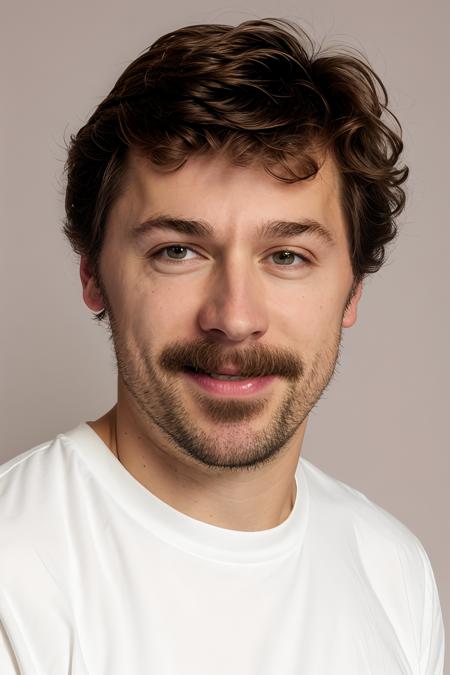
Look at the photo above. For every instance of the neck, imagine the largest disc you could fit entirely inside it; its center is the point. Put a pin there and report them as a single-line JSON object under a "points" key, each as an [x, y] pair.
{"points": [[237, 500]]}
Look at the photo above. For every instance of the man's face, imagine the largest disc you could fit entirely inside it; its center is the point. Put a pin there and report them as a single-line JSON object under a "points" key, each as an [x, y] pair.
{"points": [[270, 305]]}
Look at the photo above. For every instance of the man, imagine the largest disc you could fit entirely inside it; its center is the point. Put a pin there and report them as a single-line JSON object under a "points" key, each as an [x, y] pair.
{"points": [[227, 199]]}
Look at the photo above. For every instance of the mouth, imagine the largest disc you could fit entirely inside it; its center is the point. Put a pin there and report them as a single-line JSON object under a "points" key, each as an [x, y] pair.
{"points": [[216, 376], [226, 385]]}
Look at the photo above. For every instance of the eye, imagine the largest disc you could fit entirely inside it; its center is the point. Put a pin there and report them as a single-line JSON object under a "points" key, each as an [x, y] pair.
{"points": [[175, 252], [286, 258]]}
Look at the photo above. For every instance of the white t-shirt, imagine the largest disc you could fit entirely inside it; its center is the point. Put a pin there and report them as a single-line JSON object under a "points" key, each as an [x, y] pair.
{"points": [[100, 577]]}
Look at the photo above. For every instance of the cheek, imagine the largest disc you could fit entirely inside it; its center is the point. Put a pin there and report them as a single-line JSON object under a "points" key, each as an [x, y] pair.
{"points": [[307, 318], [147, 311], [153, 318]]}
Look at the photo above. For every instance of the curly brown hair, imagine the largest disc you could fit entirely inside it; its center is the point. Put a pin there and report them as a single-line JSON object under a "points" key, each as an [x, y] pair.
{"points": [[259, 92]]}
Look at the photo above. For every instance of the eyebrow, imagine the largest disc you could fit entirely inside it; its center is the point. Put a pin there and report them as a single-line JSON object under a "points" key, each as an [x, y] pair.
{"points": [[267, 230]]}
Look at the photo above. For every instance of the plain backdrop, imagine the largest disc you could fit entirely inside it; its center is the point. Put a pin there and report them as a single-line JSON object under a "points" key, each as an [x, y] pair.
{"points": [[382, 426]]}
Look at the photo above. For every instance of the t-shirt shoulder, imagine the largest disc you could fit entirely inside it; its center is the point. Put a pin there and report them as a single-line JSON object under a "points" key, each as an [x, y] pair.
{"points": [[342, 501], [392, 557], [30, 484], [15, 461]]}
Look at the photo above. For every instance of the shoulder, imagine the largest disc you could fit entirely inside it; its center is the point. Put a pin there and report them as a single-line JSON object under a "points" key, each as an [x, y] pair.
{"points": [[29, 474], [31, 512], [32, 520], [13, 466], [33, 488], [346, 507], [388, 554], [385, 553]]}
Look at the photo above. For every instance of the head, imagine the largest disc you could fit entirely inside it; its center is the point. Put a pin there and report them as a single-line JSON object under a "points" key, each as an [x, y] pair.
{"points": [[227, 199]]}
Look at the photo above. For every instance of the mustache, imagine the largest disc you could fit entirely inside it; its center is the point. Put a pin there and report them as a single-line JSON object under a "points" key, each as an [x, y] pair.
{"points": [[252, 361]]}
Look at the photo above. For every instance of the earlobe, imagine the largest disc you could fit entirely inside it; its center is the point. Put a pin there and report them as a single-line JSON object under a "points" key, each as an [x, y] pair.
{"points": [[350, 314], [91, 293]]}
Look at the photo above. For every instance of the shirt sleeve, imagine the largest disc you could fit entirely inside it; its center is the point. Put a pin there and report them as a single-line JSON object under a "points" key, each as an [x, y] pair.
{"points": [[432, 647], [8, 662]]}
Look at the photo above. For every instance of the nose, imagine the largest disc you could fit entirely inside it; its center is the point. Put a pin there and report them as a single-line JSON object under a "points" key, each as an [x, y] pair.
{"points": [[234, 306]]}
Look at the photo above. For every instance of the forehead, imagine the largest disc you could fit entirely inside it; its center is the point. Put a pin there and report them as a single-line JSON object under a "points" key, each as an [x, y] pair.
{"points": [[230, 198]]}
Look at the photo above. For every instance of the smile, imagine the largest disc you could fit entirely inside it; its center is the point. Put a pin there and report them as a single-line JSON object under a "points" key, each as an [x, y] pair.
{"points": [[228, 385]]}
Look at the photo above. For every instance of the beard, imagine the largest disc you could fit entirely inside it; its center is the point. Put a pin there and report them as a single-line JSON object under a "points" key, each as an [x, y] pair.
{"points": [[222, 433]]}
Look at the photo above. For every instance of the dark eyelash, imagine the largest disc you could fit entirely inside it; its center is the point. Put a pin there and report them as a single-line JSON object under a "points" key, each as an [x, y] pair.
{"points": [[299, 255], [156, 254]]}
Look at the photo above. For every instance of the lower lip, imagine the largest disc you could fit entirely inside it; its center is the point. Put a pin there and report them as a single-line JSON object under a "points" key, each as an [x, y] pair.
{"points": [[230, 387]]}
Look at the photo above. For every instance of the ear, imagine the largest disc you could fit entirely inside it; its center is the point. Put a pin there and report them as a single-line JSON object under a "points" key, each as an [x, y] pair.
{"points": [[91, 293], [350, 313]]}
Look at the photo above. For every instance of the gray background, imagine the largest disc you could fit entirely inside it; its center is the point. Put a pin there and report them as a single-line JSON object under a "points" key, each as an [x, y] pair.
{"points": [[382, 426]]}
